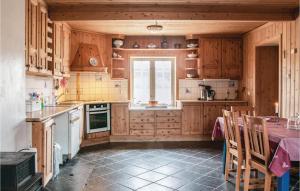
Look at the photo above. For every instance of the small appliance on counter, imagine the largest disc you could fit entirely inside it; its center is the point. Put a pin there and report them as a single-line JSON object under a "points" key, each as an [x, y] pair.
{"points": [[206, 93]]}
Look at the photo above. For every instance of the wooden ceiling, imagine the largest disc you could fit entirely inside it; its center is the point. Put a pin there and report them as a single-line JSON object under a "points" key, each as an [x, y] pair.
{"points": [[292, 3], [170, 27], [238, 10]]}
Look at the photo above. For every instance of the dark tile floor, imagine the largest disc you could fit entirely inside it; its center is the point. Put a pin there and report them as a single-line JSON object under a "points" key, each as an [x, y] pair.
{"points": [[184, 166]]}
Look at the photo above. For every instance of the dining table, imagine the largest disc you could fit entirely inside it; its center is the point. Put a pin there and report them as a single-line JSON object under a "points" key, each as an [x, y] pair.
{"points": [[284, 146]]}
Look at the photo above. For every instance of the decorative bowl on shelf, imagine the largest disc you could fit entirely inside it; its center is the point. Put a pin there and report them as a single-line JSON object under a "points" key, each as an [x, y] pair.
{"points": [[118, 43], [151, 45], [192, 45], [190, 75], [192, 55]]}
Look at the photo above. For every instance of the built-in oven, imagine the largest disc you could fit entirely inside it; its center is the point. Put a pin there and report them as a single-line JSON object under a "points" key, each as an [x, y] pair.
{"points": [[98, 117]]}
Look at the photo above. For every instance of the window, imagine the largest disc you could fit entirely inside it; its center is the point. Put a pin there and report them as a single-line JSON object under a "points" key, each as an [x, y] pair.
{"points": [[153, 79]]}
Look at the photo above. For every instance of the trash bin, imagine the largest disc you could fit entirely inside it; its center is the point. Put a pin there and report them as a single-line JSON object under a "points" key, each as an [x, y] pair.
{"points": [[57, 159]]}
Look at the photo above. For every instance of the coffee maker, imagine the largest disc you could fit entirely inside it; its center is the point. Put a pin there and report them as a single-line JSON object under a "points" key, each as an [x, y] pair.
{"points": [[206, 93]]}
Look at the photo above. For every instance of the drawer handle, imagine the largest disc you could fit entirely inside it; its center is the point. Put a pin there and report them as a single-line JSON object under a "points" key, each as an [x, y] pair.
{"points": [[142, 125]]}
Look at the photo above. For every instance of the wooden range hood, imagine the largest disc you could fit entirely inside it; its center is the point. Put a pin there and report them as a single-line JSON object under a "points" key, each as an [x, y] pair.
{"points": [[88, 59]]}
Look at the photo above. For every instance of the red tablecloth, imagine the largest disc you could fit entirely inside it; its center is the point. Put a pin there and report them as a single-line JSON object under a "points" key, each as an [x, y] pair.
{"points": [[285, 143]]}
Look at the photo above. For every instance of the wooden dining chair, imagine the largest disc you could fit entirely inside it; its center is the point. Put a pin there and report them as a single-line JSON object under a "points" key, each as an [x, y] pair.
{"points": [[243, 110], [257, 152], [234, 150]]}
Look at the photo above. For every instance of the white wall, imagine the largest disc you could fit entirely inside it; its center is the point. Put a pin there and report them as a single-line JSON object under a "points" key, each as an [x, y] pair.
{"points": [[12, 76]]}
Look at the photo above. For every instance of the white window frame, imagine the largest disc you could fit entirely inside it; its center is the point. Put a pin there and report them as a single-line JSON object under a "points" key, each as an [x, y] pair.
{"points": [[152, 76]]}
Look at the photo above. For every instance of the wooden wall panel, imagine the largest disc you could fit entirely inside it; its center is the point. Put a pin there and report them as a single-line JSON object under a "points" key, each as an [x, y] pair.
{"points": [[297, 67], [286, 34]]}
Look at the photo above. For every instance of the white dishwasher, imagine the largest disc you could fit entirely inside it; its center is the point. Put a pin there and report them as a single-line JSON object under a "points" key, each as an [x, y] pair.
{"points": [[67, 132], [74, 132]]}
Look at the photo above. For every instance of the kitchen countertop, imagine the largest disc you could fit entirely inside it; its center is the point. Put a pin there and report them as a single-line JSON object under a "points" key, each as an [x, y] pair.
{"points": [[52, 111], [133, 108], [48, 112], [212, 101]]}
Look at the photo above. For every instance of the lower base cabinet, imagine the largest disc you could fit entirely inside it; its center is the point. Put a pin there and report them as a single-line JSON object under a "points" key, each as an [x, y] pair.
{"points": [[42, 139], [119, 119], [196, 119]]}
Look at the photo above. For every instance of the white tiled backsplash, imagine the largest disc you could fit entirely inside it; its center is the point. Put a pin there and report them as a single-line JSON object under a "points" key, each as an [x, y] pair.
{"points": [[96, 86], [40, 85], [225, 89]]}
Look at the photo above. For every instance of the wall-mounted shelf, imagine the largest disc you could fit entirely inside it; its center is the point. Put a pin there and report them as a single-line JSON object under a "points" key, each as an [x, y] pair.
{"points": [[148, 49], [191, 59], [117, 58]]}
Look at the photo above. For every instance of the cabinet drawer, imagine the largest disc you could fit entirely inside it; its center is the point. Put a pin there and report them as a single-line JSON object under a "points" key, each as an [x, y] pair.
{"points": [[168, 119], [168, 125], [138, 114], [142, 126], [146, 132], [168, 113], [166, 132], [142, 120]]}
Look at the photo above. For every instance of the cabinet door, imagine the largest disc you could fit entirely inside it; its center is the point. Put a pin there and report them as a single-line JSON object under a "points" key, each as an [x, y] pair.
{"points": [[57, 38], [210, 58], [210, 114], [48, 151], [32, 34], [232, 58], [66, 50], [119, 119], [42, 38], [191, 120]]}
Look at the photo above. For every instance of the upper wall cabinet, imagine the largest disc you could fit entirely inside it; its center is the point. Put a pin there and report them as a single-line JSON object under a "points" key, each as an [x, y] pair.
{"points": [[232, 58], [47, 44], [210, 58], [36, 37], [220, 58]]}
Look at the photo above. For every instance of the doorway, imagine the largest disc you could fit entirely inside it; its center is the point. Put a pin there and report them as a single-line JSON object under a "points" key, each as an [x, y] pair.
{"points": [[266, 79]]}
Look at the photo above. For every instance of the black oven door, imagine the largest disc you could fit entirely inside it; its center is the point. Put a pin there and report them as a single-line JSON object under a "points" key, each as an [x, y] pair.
{"points": [[99, 121]]}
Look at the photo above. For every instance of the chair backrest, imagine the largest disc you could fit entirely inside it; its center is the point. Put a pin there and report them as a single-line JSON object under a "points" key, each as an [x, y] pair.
{"points": [[232, 130], [256, 139], [243, 110]]}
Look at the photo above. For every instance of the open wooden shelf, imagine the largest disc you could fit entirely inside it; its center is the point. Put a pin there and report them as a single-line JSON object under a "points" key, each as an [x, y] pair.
{"points": [[191, 58], [145, 49], [117, 58]]}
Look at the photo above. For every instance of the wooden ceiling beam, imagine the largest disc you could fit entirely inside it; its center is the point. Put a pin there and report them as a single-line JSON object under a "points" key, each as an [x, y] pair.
{"points": [[67, 12]]}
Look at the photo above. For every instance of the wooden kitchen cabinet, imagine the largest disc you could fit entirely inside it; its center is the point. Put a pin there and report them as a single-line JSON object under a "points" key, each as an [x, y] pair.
{"points": [[42, 139], [211, 111], [221, 58], [66, 60], [192, 120], [120, 119], [210, 58], [232, 58], [36, 38], [142, 123], [31, 29], [57, 66]]}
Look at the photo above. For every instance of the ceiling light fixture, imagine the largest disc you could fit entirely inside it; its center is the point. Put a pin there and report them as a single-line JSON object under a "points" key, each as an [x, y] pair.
{"points": [[155, 27]]}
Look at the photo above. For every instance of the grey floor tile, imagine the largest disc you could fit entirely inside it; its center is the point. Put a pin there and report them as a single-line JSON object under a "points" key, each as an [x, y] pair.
{"points": [[134, 170], [154, 187], [172, 182], [168, 170], [134, 183], [210, 181], [152, 176], [195, 187]]}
